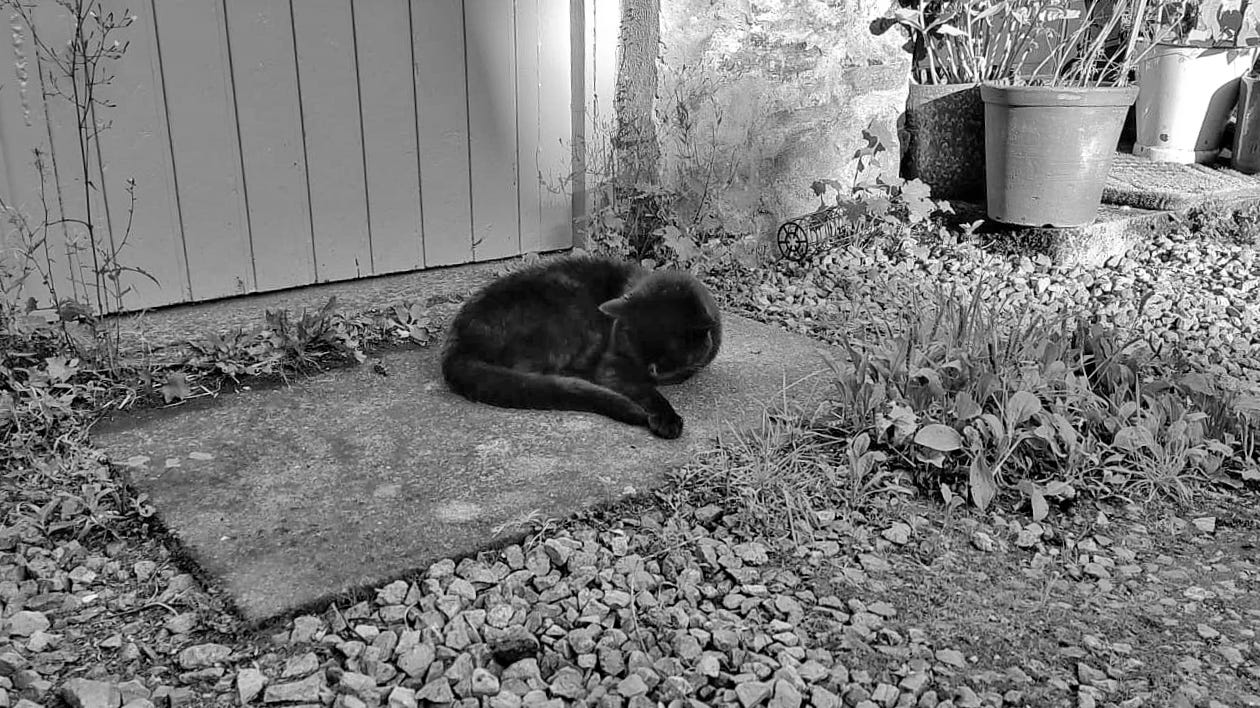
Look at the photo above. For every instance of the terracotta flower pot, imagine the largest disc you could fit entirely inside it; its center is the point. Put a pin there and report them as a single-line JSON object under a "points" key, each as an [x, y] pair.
{"points": [[1048, 151]]}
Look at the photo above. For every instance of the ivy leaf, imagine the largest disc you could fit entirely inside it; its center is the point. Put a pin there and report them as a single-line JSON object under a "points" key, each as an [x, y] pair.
{"points": [[176, 388], [879, 136], [878, 206], [915, 190], [60, 369], [679, 243]]}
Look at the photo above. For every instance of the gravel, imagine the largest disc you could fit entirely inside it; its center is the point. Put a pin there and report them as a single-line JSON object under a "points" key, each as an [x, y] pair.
{"points": [[906, 605], [1193, 298], [649, 609]]}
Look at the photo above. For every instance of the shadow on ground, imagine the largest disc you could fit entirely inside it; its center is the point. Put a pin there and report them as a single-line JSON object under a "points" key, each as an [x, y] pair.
{"points": [[287, 498]]}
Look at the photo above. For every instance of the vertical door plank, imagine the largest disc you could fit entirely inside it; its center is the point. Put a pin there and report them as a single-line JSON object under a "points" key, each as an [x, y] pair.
{"points": [[260, 34], [135, 146], [528, 79], [328, 82], [22, 130], [601, 23], [492, 128], [442, 124], [207, 156], [383, 34], [555, 126]]}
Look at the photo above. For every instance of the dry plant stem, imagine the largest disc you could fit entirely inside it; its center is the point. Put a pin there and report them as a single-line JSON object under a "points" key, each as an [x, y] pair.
{"points": [[82, 63]]}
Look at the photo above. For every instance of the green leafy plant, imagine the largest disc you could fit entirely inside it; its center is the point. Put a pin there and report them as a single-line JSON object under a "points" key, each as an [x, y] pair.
{"points": [[1204, 23], [876, 194], [966, 41], [310, 336], [1046, 42], [288, 343], [975, 395]]}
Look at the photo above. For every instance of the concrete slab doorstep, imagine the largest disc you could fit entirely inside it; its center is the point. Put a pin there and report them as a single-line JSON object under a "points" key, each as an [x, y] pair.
{"points": [[290, 497]]}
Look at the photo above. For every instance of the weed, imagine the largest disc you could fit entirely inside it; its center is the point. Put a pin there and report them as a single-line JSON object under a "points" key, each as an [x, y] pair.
{"points": [[972, 394], [780, 475], [876, 195], [74, 255]]}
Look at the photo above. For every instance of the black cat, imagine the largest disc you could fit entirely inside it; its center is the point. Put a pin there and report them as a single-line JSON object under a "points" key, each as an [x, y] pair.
{"points": [[584, 333]]}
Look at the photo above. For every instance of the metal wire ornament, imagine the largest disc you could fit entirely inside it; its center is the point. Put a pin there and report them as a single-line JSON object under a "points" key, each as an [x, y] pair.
{"points": [[798, 238]]}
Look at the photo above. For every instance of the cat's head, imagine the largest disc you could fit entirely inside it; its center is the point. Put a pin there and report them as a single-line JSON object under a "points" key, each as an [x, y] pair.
{"points": [[672, 322]]}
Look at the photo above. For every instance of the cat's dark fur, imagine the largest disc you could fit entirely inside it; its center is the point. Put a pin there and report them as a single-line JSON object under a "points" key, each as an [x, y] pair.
{"points": [[584, 333]]}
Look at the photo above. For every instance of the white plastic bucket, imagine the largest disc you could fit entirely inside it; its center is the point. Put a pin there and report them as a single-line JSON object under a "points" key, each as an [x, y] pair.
{"points": [[1185, 98]]}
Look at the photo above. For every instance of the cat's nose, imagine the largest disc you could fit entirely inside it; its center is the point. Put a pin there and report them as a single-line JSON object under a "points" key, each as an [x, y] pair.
{"points": [[652, 371]]}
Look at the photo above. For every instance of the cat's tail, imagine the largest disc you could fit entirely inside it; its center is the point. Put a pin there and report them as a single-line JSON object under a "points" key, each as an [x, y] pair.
{"points": [[508, 388]]}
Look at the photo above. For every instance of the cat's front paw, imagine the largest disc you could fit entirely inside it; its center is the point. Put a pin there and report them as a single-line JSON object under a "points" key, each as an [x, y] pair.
{"points": [[666, 425]]}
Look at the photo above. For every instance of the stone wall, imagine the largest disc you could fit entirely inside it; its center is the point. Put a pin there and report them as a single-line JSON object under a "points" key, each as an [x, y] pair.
{"points": [[754, 100]]}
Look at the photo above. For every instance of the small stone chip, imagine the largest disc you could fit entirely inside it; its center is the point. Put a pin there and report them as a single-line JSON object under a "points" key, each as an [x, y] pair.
{"points": [[24, 623], [249, 683], [786, 695], [86, 693], [182, 623], [632, 685], [436, 691], [568, 683], [203, 655], [305, 628], [1230, 654], [403, 697], [307, 690], [393, 594], [415, 661], [751, 552], [484, 683], [709, 665], [983, 542], [898, 533], [753, 693], [687, 647], [516, 643]]}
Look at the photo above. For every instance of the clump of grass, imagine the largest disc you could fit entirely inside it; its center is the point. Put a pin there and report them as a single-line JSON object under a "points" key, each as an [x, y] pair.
{"points": [[970, 398], [777, 478]]}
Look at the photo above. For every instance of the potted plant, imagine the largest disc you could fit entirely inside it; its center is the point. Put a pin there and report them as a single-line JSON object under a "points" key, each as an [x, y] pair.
{"points": [[1051, 133], [1189, 80], [955, 45]]}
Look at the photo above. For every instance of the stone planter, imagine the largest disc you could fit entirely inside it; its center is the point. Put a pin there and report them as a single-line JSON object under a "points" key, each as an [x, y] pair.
{"points": [[945, 125]]}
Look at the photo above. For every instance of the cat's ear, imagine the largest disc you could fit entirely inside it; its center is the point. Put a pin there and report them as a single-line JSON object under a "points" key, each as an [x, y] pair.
{"points": [[616, 308]]}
